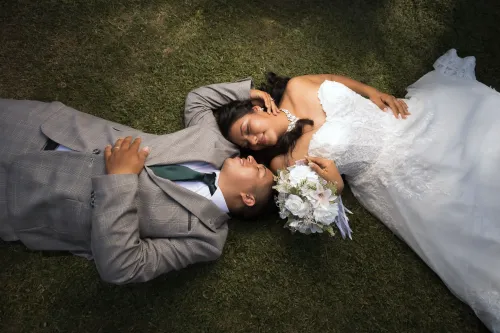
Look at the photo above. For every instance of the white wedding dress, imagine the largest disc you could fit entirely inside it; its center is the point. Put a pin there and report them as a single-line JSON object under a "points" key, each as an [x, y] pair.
{"points": [[434, 178]]}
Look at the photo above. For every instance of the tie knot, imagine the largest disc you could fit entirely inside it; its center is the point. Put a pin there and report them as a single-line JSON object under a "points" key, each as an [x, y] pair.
{"points": [[209, 180]]}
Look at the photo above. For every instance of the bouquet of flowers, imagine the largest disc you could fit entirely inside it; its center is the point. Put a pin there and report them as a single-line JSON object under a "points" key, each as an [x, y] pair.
{"points": [[309, 203]]}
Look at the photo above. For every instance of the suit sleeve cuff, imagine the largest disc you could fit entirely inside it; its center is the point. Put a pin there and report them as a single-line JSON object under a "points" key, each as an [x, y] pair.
{"points": [[114, 183], [243, 90]]}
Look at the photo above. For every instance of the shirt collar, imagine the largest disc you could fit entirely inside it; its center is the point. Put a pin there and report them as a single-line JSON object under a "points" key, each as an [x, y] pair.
{"points": [[218, 197]]}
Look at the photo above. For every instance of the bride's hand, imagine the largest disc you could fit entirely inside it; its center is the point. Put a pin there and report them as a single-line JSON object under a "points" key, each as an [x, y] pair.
{"points": [[261, 98], [327, 170], [388, 102]]}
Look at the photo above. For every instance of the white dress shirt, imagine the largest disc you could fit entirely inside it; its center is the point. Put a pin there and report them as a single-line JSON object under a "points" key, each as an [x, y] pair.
{"points": [[201, 188], [197, 187]]}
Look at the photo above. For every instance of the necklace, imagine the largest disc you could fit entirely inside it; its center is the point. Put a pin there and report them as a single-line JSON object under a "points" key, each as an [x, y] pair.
{"points": [[291, 119]]}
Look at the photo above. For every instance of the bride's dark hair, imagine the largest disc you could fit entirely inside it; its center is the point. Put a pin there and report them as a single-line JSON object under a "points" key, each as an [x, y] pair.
{"points": [[275, 86]]}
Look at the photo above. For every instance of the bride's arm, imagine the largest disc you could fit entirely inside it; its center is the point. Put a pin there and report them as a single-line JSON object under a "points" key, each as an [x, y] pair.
{"points": [[382, 100]]}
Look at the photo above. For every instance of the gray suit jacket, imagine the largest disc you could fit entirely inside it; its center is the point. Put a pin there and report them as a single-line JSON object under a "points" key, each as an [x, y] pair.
{"points": [[134, 227]]}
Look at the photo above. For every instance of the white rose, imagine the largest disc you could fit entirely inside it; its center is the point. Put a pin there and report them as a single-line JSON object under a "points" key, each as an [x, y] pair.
{"points": [[297, 206], [299, 173], [326, 215]]}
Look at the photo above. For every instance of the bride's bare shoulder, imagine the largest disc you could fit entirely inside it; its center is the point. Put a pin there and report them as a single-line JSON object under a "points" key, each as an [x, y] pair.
{"points": [[284, 161], [298, 84], [312, 81], [301, 93], [278, 162]]}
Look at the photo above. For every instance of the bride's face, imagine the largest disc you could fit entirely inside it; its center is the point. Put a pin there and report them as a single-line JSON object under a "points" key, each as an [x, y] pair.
{"points": [[254, 131]]}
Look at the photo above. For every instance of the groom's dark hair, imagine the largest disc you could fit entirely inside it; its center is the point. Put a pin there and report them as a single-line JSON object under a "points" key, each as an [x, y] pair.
{"points": [[228, 114]]}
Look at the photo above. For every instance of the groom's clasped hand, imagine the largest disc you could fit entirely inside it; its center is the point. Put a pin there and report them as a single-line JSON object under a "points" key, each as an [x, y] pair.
{"points": [[125, 157]]}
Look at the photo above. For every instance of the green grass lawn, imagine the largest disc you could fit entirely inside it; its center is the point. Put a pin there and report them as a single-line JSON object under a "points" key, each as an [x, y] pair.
{"points": [[134, 62]]}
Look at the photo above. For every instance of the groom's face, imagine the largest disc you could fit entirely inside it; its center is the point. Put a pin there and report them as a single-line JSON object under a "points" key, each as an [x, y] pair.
{"points": [[247, 174]]}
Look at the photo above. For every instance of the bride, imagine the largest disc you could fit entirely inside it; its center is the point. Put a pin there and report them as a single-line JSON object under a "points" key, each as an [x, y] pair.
{"points": [[427, 167]]}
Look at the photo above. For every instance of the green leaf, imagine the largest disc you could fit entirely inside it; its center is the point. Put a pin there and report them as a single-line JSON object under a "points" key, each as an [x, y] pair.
{"points": [[330, 231]]}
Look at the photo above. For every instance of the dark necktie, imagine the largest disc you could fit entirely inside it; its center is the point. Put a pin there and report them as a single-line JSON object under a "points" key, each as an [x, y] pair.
{"points": [[177, 172]]}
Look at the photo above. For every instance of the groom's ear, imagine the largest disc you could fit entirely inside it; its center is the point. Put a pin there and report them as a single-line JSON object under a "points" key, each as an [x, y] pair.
{"points": [[248, 199]]}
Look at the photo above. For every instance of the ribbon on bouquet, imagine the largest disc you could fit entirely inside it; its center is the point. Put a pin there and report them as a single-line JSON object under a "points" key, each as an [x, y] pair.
{"points": [[342, 221]]}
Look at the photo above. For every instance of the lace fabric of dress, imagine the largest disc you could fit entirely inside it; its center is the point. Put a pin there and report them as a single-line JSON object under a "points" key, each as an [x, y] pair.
{"points": [[433, 178]]}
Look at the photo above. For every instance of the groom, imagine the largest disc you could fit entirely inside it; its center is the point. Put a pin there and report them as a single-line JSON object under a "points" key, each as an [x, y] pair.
{"points": [[70, 181]]}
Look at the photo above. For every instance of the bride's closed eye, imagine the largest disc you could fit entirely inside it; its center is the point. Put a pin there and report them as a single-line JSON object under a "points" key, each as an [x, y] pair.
{"points": [[243, 132], [247, 128]]}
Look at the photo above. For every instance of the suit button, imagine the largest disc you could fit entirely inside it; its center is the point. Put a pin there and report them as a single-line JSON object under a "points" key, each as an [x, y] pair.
{"points": [[96, 151]]}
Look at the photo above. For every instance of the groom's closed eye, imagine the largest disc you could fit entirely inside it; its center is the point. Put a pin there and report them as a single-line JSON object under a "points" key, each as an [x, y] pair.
{"points": [[263, 171]]}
